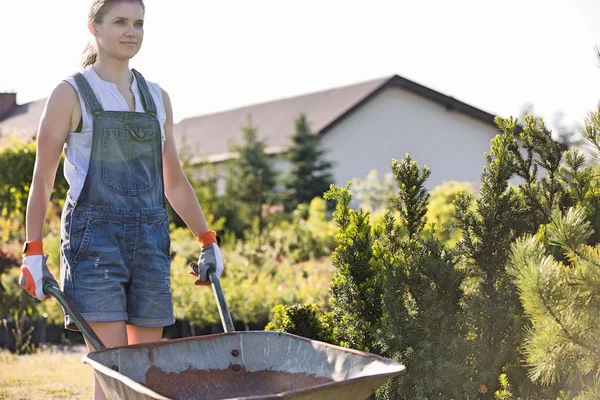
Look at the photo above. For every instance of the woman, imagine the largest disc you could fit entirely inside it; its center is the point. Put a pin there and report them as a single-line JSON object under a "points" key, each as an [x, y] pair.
{"points": [[120, 162]]}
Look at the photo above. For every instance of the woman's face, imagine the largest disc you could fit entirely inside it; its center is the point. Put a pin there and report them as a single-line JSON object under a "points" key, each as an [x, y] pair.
{"points": [[121, 32]]}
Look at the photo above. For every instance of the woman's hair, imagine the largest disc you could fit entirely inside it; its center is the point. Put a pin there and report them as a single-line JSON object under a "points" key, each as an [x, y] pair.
{"points": [[98, 10]]}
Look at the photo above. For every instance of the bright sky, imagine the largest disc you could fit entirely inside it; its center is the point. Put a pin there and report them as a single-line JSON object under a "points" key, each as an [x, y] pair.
{"points": [[497, 55]]}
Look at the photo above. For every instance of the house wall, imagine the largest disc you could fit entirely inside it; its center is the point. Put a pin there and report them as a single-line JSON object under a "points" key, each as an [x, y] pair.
{"points": [[397, 122]]}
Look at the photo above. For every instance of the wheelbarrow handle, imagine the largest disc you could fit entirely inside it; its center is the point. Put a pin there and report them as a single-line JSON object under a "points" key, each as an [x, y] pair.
{"points": [[219, 297], [221, 302], [71, 310]]}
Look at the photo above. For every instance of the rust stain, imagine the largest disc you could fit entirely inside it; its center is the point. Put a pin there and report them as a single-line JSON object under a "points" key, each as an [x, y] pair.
{"points": [[151, 354], [227, 383]]}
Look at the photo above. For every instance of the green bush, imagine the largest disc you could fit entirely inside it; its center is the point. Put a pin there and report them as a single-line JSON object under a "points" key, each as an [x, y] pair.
{"points": [[372, 194], [310, 234], [441, 210], [395, 290], [556, 272], [251, 288], [563, 302], [17, 160], [306, 320], [444, 305]]}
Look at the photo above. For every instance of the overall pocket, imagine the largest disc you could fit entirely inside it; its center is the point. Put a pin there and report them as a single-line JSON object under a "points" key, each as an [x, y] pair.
{"points": [[129, 160], [80, 235]]}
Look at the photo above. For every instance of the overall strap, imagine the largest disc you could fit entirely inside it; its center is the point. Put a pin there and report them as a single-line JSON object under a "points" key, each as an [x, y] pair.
{"points": [[147, 100], [88, 94]]}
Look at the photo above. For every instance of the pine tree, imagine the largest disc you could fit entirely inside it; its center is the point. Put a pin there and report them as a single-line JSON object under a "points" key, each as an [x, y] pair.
{"points": [[310, 176], [557, 273], [493, 312], [251, 181], [421, 292], [396, 292], [252, 176], [356, 287], [562, 298]]}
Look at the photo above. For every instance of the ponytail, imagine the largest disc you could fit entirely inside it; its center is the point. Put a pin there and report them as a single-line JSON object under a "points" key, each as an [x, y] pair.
{"points": [[89, 56]]}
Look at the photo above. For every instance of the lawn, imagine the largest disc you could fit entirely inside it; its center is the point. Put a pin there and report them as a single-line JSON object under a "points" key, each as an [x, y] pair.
{"points": [[48, 374]]}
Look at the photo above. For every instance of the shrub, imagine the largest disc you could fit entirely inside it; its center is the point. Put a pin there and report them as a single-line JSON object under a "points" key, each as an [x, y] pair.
{"points": [[306, 320]]}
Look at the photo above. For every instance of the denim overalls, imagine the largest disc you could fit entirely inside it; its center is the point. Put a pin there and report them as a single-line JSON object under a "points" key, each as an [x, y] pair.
{"points": [[115, 245]]}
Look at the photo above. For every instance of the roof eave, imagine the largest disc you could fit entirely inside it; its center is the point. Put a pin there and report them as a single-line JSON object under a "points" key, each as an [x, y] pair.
{"points": [[450, 103]]}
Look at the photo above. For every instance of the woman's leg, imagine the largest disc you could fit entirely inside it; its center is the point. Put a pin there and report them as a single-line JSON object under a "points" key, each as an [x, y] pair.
{"points": [[119, 334], [140, 334], [111, 334]]}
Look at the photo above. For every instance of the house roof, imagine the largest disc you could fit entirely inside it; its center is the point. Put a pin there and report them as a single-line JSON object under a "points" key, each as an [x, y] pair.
{"points": [[23, 120], [209, 135]]}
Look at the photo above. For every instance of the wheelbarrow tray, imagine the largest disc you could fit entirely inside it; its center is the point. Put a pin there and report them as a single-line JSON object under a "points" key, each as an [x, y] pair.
{"points": [[239, 365]]}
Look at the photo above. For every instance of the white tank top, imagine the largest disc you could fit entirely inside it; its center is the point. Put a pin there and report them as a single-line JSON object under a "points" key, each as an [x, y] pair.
{"points": [[78, 145]]}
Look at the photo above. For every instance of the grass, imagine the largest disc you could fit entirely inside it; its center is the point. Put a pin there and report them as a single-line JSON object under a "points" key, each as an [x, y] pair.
{"points": [[46, 374]]}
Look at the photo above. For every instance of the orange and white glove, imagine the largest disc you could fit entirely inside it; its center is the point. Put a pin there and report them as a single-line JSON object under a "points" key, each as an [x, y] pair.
{"points": [[209, 257], [34, 270]]}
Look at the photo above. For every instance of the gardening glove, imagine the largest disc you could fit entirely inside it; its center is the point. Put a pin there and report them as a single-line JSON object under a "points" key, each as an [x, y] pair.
{"points": [[210, 256], [34, 270]]}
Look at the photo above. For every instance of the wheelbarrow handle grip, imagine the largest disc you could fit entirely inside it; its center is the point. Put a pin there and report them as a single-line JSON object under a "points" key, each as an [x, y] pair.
{"points": [[77, 318]]}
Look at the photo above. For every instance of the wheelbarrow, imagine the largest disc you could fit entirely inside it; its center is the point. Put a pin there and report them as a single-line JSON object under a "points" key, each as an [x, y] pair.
{"points": [[232, 365]]}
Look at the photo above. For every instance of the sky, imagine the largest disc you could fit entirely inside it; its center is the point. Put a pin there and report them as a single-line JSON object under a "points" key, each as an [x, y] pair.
{"points": [[496, 55]]}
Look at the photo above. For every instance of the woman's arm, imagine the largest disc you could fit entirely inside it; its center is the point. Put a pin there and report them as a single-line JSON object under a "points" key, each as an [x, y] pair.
{"points": [[178, 189], [54, 127]]}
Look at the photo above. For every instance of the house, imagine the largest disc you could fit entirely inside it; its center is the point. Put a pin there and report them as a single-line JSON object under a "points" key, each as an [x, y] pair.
{"points": [[362, 126], [21, 120]]}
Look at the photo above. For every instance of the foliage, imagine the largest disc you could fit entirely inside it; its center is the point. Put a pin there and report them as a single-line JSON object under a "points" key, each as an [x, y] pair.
{"points": [[421, 293], [556, 272], [355, 291], [15, 300], [204, 183], [441, 210], [236, 214], [306, 320], [310, 235], [252, 286], [493, 312], [17, 160], [505, 391], [395, 291], [7, 261], [372, 194], [562, 299], [17, 306], [310, 176], [452, 314], [252, 178], [21, 334]]}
